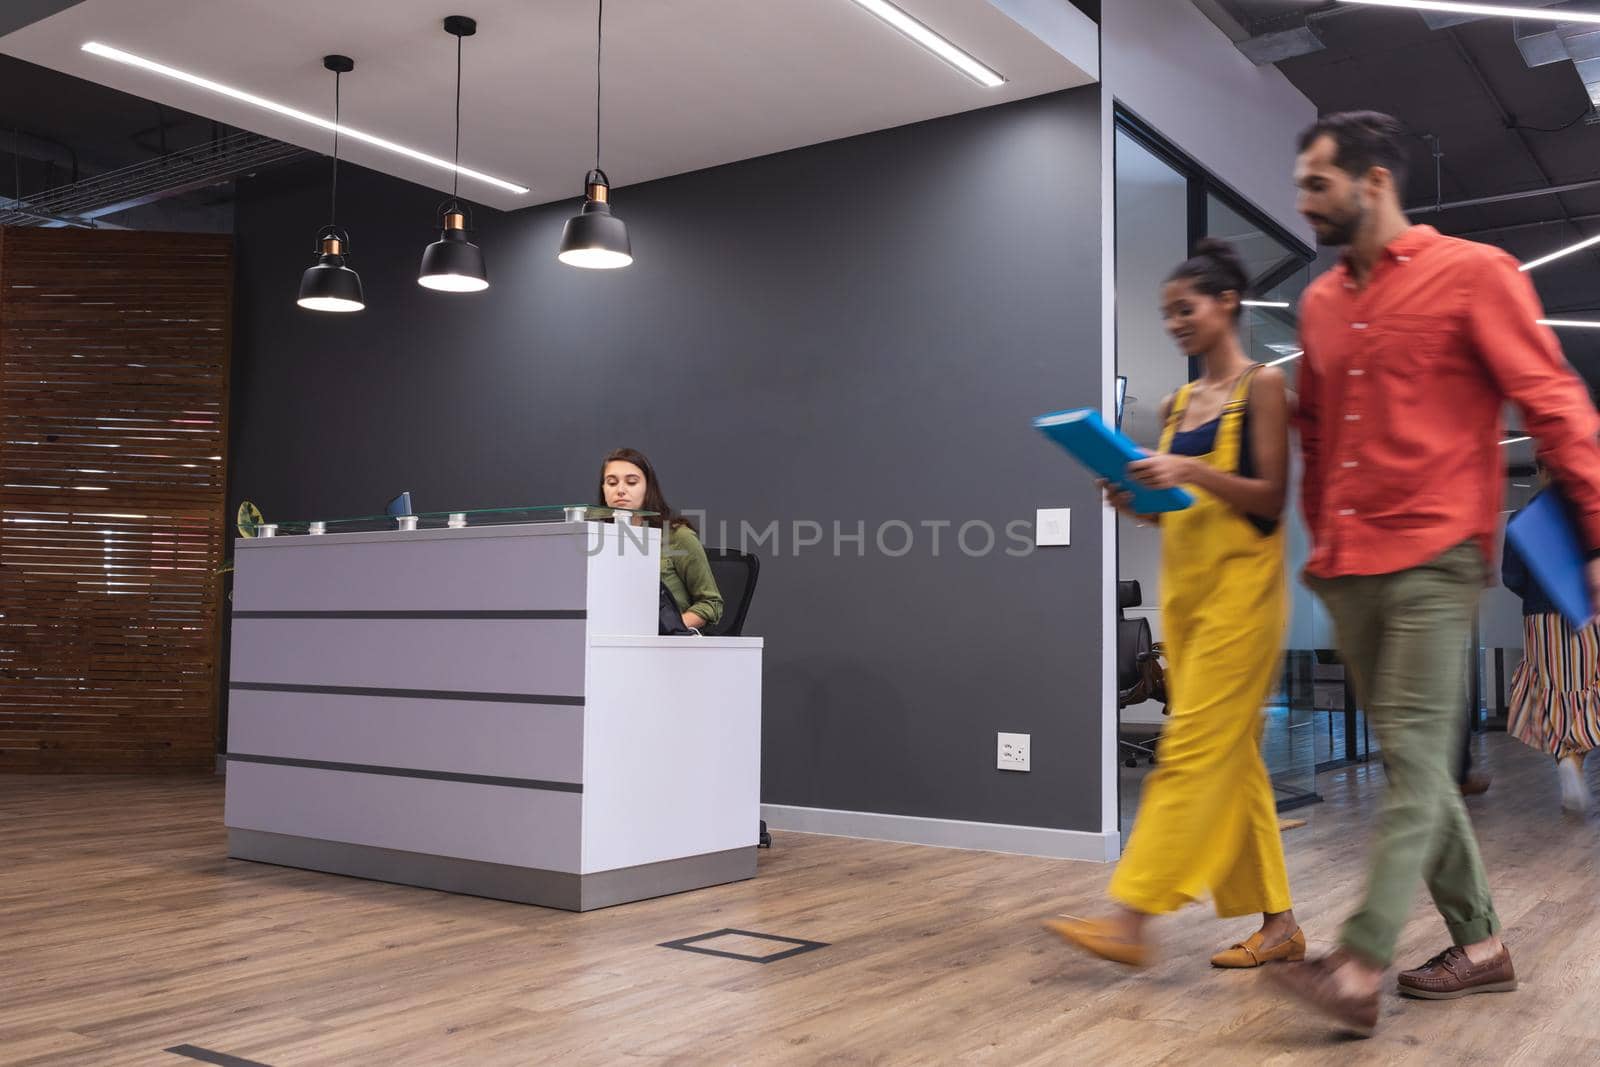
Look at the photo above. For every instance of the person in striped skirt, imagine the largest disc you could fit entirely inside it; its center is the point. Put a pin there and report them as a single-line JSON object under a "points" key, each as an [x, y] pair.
{"points": [[1555, 692]]}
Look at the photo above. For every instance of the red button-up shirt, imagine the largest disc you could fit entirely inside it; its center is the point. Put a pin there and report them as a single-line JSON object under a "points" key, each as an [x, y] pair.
{"points": [[1401, 394]]}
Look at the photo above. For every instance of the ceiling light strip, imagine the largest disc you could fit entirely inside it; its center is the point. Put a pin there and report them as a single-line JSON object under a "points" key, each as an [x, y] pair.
{"points": [[1560, 253], [934, 43], [119, 56], [1579, 324], [1500, 10]]}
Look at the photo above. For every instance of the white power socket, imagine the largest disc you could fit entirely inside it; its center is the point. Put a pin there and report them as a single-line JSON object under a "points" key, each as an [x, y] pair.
{"points": [[1014, 752]]}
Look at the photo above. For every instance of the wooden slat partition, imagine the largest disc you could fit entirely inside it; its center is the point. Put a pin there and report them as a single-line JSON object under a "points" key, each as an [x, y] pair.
{"points": [[114, 352]]}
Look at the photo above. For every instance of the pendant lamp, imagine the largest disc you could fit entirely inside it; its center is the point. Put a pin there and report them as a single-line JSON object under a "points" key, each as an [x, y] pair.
{"points": [[453, 264], [329, 284], [595, 238]]}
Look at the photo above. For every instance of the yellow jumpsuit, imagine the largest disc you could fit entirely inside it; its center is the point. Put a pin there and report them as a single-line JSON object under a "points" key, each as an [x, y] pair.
{"points": [[1207, 819]]}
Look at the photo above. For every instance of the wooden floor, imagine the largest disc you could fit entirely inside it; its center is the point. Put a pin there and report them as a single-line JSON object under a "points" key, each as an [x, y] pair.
{"points": [[125, 932]]}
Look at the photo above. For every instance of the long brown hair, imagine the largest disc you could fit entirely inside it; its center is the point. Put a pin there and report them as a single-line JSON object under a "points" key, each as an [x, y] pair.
{"points": [[653, 499]]}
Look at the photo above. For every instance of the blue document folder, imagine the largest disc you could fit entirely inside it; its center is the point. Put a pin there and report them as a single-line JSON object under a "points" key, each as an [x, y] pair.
{"points": [[1107, 453], [1543, 534]]}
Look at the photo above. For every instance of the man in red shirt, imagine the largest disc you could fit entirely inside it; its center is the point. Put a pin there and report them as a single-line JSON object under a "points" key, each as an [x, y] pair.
{"points": [[1413, 344]]}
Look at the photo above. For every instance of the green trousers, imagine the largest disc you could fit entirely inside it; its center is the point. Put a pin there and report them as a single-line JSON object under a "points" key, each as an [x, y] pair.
{"points": [[1404, 637]]}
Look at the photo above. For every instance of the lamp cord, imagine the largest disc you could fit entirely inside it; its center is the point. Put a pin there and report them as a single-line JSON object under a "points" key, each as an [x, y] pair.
{"points": [[455, 184], [333, 206]]}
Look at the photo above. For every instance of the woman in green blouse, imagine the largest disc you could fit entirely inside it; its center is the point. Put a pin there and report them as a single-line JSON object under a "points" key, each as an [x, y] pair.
{"points": [[628, 481]]}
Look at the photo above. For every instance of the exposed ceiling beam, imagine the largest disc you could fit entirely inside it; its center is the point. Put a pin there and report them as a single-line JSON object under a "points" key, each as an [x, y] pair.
{"points": [[20, 212], [79, 203]]}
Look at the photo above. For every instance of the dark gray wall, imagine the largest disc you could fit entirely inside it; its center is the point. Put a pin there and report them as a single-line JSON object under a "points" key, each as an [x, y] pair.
{"points": [[853, 332]]}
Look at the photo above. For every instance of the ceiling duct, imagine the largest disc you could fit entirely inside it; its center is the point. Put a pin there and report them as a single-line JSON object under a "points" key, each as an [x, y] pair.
{"points": [[1542, 44], [1275, 39], [1266, 48]]}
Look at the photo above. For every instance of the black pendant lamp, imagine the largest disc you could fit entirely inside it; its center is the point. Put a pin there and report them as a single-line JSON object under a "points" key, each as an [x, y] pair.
{"points": [[453, 264], [328, 284], [594, 238]]}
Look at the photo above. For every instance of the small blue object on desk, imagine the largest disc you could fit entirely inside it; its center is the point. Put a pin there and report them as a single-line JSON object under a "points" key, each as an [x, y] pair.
{"points": [[1107, 453], [1545, 537]]}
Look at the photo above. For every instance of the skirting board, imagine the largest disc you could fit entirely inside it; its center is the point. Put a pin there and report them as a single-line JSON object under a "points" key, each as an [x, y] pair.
{"points": [[947, 833], [522, 885]]}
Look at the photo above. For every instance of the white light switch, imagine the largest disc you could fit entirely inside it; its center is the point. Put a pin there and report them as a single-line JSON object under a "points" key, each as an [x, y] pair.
{"points": [[1053, 527]]}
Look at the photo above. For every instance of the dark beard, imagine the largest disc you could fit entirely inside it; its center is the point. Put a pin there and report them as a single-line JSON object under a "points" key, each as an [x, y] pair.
{"points": [[1342, 234], [1344, 229]]}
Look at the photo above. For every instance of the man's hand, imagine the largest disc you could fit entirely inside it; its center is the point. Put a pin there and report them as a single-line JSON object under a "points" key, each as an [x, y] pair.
{"points": [[1593, 570]]}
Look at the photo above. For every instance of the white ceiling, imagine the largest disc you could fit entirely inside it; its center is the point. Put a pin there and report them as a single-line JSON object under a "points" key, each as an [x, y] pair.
{"points": [[689, 83]]}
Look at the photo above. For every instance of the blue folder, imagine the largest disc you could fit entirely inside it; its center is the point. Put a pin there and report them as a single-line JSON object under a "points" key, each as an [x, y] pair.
{"points": [[1544, 535], [1108, 452]]}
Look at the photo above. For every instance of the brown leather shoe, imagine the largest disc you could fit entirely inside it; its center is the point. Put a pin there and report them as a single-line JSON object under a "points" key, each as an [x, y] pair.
{"points": [[1313, 984], [1476, 785], [1249, 953], [1451, 974]]}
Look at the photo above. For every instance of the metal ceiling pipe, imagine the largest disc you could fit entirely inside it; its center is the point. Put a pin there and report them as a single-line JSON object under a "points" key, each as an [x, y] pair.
{"points": [[1502, 198], [1569, 221]]}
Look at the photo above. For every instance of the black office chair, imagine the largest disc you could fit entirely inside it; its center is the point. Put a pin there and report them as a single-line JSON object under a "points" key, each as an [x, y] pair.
{"points": [[1140, 676], [736, 574]]}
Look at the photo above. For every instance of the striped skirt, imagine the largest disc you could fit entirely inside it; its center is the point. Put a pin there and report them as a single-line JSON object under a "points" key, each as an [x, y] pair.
{"points": [[1555, 692]]}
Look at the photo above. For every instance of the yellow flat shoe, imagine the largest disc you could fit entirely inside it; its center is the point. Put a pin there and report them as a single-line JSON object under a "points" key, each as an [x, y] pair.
{"points": [[1251, 954], [1097, 939]]}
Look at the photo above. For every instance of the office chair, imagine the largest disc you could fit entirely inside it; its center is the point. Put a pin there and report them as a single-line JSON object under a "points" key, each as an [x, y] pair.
{"points": [[735, 573], [1140, 676]]}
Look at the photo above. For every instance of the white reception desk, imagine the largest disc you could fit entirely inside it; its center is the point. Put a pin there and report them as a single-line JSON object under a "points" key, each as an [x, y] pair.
{"points": [[489, 711]]}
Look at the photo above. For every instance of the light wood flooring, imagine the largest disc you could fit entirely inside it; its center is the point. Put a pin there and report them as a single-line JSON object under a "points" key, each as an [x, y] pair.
{"points": [[125, 932]]}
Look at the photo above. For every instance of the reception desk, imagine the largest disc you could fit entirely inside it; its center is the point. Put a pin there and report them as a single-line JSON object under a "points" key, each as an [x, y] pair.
{"points": [[487, 710]]}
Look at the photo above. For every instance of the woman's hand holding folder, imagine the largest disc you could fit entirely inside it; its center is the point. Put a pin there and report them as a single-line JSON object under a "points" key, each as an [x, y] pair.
{"points": [[1157, 470], [1121, 499], [1163, 470]]}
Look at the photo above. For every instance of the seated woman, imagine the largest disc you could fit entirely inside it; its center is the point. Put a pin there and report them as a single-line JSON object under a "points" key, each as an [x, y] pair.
{"points": [[628, 481]]}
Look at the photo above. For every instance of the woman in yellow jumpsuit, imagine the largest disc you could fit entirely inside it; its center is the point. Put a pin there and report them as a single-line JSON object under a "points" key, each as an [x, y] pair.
{"points": [[1207, 820]]}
